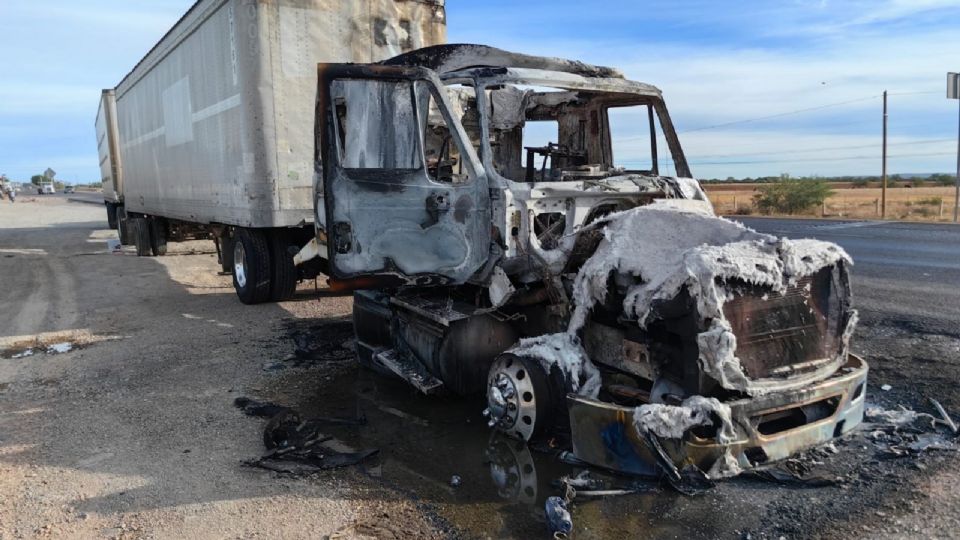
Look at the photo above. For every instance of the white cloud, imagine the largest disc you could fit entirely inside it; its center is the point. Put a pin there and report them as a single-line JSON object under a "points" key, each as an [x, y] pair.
{"points": [[723, 83]]}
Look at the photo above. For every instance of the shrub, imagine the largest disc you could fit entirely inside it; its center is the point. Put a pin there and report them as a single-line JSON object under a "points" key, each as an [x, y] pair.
{"points": [[861, 182], [744, 210], [791, 196], [943, 179], [931, 201]]}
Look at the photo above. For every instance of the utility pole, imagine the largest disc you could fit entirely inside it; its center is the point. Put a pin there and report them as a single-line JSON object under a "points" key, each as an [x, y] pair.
{"points": [[953, 92], [883, 195]]}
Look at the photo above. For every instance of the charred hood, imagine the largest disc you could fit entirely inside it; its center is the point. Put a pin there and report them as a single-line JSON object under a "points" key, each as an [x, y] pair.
{"points": [[456, 57], [753, 312]]}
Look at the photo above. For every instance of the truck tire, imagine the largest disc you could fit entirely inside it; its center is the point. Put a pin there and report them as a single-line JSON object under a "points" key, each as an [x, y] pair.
{"points": [[124, 227], [111, 216], [158, 237], [283, 279], [225, 242], [141, 231], [251, 266]]}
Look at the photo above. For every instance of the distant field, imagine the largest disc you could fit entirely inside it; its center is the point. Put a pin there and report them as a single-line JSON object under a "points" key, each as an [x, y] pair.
{"points": [[907, 203]]}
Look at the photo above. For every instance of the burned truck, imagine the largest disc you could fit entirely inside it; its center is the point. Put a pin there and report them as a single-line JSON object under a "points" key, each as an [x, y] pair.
{"points": [[528, 228]]}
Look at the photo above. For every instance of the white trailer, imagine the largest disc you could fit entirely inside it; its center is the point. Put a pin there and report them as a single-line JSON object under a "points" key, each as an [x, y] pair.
{"points": [[212, 135]]}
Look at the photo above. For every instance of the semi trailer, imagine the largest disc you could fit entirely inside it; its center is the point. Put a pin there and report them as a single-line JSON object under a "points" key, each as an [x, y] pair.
{"points": [[211, 134], [529, 229], [518, 227]]}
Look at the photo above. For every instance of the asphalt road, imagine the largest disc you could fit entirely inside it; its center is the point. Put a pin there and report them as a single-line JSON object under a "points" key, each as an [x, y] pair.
{"points": [[93, 197], [904, 273]]}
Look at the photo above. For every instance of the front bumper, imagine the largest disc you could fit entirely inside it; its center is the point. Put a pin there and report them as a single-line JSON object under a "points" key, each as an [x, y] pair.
{"points": [[768, 428]]}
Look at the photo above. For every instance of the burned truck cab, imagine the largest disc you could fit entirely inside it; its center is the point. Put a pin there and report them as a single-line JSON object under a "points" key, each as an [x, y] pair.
{"points": [[528, 229]]}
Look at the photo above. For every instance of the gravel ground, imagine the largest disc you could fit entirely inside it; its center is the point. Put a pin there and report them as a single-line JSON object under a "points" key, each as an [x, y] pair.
{"points": [[133, 432]]}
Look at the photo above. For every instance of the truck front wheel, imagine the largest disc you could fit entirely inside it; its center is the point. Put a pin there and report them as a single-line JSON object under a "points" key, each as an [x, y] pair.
{"points": [[251, 266], [522, 400]]}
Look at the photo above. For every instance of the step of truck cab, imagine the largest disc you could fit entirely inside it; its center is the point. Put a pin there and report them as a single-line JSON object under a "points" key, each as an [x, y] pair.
{"points": [[408, 369]]}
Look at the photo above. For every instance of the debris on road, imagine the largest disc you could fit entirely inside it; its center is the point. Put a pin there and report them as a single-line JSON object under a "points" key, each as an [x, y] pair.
{"points": [[886, 387], [38, 348], [296, 446], [455, 481], [904, 432], [946, 417], [328, 341], [49, 343], [558, 517]]}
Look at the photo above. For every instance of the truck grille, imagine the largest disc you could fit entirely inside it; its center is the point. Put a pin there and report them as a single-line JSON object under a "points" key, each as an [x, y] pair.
{"points": [[789, 334]]}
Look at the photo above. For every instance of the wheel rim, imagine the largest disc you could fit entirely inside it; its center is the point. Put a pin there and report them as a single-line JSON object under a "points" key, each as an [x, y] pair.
{"points": [[239, 264], [511, 401]]}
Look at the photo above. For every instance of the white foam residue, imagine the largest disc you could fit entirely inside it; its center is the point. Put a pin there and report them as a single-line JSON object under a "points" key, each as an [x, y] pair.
{"points": [[894, 417], [673, 421], [725, 467], [23, 354], [718, 359], [566, 352]]}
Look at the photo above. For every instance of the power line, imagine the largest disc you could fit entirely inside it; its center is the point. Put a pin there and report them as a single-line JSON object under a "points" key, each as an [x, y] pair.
{"points": [[822, 149], [913, 93], [788, 113], [799, 160], [779, 115]]}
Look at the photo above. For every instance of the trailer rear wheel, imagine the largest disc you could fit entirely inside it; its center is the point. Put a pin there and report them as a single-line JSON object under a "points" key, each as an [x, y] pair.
{"points": [[225, 249], [141, 231], [283, 279], [251, 266], [158, 237], [124, 227], [111, 216]]}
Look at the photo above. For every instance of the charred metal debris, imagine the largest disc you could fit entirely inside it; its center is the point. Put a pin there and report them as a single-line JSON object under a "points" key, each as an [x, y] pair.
{"points": [[595, 298], [296, 446]]}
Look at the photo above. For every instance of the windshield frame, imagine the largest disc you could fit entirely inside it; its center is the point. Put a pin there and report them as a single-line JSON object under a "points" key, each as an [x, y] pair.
{"points": [[616, 93]]}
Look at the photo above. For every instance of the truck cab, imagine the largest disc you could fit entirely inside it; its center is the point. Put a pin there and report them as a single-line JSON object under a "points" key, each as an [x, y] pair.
{"points": [[531, 154], [529, 228]]}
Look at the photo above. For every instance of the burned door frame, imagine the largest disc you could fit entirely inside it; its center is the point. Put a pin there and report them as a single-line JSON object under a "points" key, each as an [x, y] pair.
{"points": [[433, 220]]}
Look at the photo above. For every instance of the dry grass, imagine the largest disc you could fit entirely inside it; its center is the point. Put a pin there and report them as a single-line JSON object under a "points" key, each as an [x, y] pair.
{"points": [[933, 203]]}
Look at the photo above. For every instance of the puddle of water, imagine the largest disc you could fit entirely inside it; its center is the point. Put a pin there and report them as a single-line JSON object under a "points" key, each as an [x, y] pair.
{"points": [[425, 441]]}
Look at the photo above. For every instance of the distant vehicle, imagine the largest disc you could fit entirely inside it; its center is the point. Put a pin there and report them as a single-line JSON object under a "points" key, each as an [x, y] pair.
{"points": [[46, 188], [69, 189]]}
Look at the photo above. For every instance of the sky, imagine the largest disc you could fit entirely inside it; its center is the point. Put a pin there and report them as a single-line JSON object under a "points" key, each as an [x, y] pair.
{"points": [[755, 88]]}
